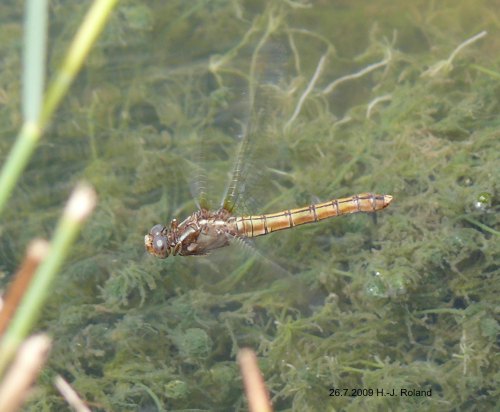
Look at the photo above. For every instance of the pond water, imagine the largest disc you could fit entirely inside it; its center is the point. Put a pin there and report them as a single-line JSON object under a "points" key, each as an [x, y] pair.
{"points": [[334, 98]]}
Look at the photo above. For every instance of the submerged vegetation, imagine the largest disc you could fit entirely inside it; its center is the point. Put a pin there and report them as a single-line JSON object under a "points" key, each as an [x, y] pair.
{"points": [[407, 301]]}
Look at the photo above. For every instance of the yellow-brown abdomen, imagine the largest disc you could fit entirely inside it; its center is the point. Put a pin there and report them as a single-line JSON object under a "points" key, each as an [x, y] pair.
{"points": [[258, 225]]}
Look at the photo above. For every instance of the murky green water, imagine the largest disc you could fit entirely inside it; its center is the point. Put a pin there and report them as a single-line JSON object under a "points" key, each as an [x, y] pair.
{"points": [[407, 301]]}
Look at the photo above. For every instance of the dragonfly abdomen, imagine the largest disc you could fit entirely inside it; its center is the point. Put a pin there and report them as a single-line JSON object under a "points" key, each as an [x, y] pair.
{"points": [[259, 225]]}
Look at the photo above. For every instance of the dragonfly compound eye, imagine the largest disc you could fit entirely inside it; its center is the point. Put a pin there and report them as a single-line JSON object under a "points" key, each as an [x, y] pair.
{"points": [[156, 230], [156, 241], [160, 246]]}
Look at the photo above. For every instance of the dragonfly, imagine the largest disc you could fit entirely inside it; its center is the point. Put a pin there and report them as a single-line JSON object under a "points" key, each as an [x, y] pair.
{"points": [[208, 229]]}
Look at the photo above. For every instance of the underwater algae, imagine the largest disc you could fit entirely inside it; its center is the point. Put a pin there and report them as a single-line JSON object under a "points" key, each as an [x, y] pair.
{"points": [[407, 302]]}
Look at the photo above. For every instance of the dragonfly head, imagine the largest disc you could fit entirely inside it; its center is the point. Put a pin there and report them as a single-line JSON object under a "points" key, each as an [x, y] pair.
{"points": [[157, 241]]}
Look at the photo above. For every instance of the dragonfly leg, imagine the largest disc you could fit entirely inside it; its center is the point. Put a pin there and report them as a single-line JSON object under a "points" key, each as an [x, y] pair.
{"points": [[177, 248], [174, 224]]}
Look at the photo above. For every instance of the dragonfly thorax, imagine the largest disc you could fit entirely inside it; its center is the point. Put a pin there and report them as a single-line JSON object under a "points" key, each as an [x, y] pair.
{"points": [[197, 235]]}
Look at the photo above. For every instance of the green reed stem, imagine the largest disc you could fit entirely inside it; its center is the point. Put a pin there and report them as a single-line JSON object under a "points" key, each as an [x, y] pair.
{"points": [[35, 45], [79, 206], [37, 116], [92, 25]]}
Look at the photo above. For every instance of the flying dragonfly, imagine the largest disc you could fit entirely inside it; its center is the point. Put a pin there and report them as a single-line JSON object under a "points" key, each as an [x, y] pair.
{"points": [[208, 229]]}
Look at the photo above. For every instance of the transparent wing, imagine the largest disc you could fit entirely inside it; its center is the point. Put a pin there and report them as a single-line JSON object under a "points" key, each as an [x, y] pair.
{"points": [[223, 111], [267, 71]]}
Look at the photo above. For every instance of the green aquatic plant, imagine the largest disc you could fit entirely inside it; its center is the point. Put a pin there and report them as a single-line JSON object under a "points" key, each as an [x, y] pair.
{"points": [[408, 301]]}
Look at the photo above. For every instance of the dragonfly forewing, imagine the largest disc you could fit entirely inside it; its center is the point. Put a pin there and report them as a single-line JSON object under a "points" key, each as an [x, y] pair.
{"points": [[267, 71]]}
